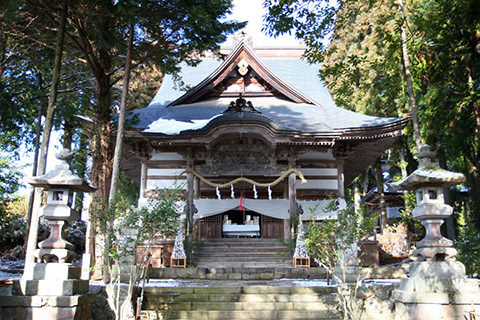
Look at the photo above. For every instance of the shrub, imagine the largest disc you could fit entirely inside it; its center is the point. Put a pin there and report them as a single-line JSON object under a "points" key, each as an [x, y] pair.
{"points": [[468, 246]]}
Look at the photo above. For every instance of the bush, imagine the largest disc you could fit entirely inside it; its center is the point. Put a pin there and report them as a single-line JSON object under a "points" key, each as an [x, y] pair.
{"points": [[468, 246], [12, 232]]}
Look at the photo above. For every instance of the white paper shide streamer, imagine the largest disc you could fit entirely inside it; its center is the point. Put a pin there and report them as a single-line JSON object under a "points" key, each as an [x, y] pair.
{"points": [[178, 249], [232, 194], [255, 194], [219, 196], [269, 193]]}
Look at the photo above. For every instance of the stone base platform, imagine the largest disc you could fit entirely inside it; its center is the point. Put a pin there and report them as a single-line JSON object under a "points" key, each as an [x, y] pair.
{"points": [[437, 290], [47, 307], [49, 287]]}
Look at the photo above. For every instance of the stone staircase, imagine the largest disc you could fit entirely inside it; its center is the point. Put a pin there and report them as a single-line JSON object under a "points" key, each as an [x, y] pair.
{"points": [[240, 302], [243, 252]]}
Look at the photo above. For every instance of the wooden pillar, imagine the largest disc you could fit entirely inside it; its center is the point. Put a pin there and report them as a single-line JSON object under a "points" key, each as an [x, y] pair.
{"points": [[292, 195], [341, 180], [196, 188], [143, 180], [189, 215]]}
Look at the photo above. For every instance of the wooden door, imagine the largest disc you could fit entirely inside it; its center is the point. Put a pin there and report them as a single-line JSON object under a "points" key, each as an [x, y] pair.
{"points": [[271, 228], [210, 227]]}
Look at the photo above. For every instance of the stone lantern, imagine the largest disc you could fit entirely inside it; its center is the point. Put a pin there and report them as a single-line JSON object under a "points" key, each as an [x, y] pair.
{"points": [[428, 182], [60, 185], [51, 288], [437, 287]]}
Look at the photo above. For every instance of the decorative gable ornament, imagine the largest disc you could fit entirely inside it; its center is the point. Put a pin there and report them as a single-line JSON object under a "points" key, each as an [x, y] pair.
{"points": [[242, 37], [243, 67], [241, 105]]}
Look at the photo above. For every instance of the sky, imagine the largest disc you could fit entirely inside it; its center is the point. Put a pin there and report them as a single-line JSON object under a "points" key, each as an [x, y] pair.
{"points": [[251, 11]]}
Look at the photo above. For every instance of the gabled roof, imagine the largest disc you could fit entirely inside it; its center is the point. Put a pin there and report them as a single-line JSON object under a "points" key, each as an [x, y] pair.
{"points": [[300, 102], [243, 53]]}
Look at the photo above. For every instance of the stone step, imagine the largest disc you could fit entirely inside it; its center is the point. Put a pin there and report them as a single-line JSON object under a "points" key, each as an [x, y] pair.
{"points": [[240, 240], [241, 248], [153, 299], [243, 302], [238, 306], [242, 265], [240, 254], [252, 289], [233, 271], [250, 315], [241, 259], [246, 247]]}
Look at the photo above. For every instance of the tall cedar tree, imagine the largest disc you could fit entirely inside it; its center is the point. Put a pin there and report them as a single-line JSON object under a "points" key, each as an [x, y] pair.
{"points": [[363, 66]]}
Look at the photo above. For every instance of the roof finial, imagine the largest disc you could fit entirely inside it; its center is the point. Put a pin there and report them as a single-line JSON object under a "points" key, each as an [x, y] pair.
{"points": [[426, 157], [240, 37]]}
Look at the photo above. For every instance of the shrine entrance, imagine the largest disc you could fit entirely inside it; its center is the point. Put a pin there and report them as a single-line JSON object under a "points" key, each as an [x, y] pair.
{"points": [[237, 223]]}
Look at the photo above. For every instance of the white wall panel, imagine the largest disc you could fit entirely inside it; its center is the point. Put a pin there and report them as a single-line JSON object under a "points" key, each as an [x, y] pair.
{"points": [[318, 155], [319, 172], [166, 156], [164, 172], [322, 184], [162, 184]]}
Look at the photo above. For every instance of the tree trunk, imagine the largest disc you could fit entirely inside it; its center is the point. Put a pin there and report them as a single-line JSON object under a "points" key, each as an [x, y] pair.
{"points": [[121, 119], [103, 148], [408, 74], [67, 135], [381, 193], [52, 100], [38, 131], [475, 176], [80, 165]]}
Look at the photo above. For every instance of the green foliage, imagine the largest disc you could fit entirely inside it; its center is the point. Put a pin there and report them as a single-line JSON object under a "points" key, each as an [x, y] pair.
{"points": [[126, 226], [415, 229], [12, 231], [468, 246], [9, 183], [358, 45], [326, 240], [330, 242]]}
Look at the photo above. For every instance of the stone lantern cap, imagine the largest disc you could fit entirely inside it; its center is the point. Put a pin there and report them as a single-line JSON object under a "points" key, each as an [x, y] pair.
{"points": [[61, 176], [428, 174]]}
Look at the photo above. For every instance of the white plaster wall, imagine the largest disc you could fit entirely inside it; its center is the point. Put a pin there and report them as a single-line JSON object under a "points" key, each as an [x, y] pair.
{"points": [[319, 172], [166, 156], [317, 155], [323, 184]]}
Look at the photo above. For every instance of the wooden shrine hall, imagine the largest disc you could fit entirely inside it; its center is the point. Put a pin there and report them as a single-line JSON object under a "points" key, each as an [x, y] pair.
{"points": [[251, 139]]}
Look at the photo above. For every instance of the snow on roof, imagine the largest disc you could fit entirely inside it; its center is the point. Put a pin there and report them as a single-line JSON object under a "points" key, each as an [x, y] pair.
{"points": [[284, 114], [323, 116]]}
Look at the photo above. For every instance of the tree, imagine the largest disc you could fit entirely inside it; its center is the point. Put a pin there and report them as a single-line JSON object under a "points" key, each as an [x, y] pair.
{"points": [[166, 34], [158, 216], [121, 118], [333, 245], [363, 63], [9, 182]]}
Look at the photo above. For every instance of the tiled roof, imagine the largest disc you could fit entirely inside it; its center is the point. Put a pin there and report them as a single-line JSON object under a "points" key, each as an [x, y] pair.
{"points": [[323, 116]]}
